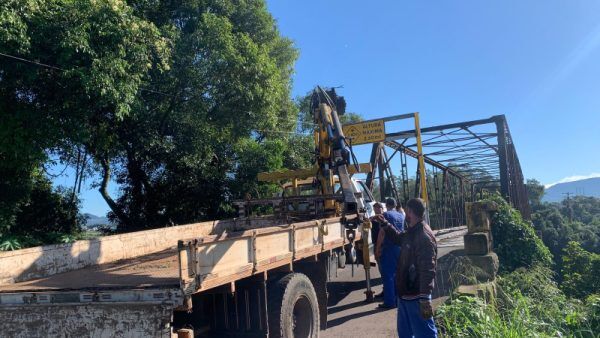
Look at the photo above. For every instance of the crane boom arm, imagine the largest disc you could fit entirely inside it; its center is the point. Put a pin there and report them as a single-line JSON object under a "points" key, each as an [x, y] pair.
{"points": [[334, 154]]}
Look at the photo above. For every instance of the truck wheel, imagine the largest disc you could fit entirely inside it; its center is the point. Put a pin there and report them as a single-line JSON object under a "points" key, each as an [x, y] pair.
{"points": [[293, 308]]}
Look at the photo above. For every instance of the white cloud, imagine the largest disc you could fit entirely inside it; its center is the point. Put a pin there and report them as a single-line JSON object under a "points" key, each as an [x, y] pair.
{"points": [[573, 179]]}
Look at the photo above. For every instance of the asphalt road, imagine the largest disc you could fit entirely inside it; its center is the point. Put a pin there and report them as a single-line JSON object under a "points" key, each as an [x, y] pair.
{"points": [[348, 313]]}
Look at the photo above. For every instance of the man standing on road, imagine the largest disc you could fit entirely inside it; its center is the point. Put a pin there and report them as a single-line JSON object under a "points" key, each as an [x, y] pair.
{"points": [[416, 272], [375, 226], [390, 252]]}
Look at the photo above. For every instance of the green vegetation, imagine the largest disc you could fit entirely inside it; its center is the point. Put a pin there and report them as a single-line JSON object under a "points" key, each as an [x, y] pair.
{"points": [[529, 302], [48, 215], [515, 240], [179, 103], [571, 231], [88, 60], [574, 219], [580, 271]]}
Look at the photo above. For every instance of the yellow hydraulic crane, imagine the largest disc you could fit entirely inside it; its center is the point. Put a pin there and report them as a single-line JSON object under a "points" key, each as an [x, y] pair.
{"points": [[333, 165]]}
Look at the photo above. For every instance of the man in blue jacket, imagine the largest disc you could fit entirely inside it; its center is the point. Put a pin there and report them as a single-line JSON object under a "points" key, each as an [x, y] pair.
{"points": [[390, 252]]}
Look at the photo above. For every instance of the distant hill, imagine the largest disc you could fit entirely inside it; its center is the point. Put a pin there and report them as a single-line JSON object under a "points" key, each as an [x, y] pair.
{"points": [[93, 221], [587, 187]]}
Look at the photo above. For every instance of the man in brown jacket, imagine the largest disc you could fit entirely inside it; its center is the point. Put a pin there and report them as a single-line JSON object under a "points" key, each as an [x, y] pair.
{"points": [[415, 273]]}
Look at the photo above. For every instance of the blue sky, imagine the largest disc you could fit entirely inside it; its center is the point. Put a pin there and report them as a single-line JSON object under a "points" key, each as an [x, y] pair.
{"points": [[535, 61]]}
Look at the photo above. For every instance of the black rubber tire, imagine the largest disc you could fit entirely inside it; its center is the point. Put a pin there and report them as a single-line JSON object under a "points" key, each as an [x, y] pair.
{"points": [[341, 255], [293, 307]]}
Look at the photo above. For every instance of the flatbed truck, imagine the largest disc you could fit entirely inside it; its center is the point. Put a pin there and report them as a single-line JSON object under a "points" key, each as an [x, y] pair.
{"points": [[250, 276], [228, 278]]}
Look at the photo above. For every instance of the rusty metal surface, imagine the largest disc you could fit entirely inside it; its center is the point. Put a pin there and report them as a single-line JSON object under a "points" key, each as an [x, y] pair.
{"points": [[97, 320], [159, 269]]}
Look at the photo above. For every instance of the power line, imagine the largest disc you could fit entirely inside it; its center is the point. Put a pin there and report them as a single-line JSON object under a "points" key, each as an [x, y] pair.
{"points": [[281, 132], [64, 70], [31, 61], [146, 89]]}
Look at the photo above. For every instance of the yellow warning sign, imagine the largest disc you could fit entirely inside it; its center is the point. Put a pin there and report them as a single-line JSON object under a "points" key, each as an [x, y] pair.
{"points": [[365, 132]]}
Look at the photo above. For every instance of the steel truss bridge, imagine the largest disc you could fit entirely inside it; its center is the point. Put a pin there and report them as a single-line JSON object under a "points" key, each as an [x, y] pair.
{"points": [[462, 162]]}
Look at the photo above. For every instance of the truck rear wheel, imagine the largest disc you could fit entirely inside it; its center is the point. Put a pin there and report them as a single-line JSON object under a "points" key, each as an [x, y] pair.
{"points": [[293, 308]]}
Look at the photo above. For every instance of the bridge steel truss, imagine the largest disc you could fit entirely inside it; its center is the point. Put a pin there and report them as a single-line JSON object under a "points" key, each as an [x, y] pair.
{"points": [[464, 162]]}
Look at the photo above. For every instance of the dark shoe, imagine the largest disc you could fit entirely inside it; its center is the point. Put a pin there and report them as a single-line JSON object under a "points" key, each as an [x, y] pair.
{"points": [[385, 307]]}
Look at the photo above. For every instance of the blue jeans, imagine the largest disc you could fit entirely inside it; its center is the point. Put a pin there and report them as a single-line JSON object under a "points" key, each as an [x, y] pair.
{"points": [[410, 322], [389, 263]]}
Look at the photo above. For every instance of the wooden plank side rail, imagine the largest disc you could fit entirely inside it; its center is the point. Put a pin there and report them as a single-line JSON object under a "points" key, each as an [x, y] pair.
{"points": [[217, 260], [44, 261]]}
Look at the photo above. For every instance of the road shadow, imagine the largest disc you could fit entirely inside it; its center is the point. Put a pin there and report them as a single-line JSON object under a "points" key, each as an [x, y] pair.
{"points": [[338, 290], [339, 321], [348, 306]]}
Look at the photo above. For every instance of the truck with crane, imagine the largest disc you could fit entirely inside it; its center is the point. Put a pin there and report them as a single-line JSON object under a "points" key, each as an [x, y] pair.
{"points": [[255, 275]]}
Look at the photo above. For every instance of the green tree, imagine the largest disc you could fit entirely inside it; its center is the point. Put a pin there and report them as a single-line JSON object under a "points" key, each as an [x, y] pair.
{"points": [[71, 71], [552, 221], [190, 146], [535, 192], [580, 271], [48, 215]]}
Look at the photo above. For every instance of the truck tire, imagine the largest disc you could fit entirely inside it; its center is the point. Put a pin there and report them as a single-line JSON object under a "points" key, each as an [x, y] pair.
{"points": [[293, 307]]}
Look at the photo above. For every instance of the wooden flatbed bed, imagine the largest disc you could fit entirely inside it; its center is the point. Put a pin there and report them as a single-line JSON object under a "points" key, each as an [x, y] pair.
{"points": [[217, 259], [145, 281], [155, 270]]}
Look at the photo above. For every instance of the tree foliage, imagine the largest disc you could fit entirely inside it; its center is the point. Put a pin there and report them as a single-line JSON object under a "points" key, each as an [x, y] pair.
{"points": [[73, 71], [572, 220], [571, 231], [48, 215], [580, 270], [183, 156], [515, 240], [179, 103], [535, 192]]}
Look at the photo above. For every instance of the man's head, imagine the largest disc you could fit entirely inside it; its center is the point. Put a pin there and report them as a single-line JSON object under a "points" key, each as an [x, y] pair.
{"points": [[390, 203], [415, 210], [378, 208]]}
